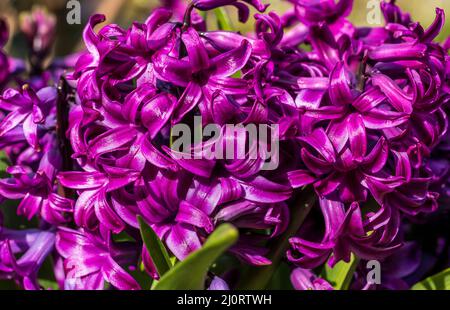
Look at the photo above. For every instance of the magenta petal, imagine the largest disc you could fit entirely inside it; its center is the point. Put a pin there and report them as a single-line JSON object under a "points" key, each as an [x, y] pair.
{"points": [[263, 190], [59, 203], [82, 180], [158, 38], [338, 133], [368, 100], [148, 263], [227, 40], [189, 214], [156, 157], [403, 167], [111, 140], [10, 189], [303, 279], [173, 70], [182, 240], [84, 210], [433, 31], [320, 142], [201, 167], [205, 196], [357, 136], [339, 90], [315, 164], [400, 51], [106, 215], [300, 178], [223, 109], [196, 50], [326, 112], [125, 207], [29, 205], [234, 210], [188, 100], [90, 37], [401, 101], [12, 120], [232, 61], [30, 132], [158, 17], [325, 44], [328, 185], [382, 119], [377, 158], [157, 112], [134, 101], [228, 85], [217, 284], [118, 277], [250, 253]]}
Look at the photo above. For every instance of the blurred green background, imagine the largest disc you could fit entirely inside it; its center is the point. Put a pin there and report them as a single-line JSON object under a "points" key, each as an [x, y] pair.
{"points": [[124, 12]]}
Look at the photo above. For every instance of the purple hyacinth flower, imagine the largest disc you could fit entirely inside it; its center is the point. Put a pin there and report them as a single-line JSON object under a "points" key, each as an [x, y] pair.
{"points": [[92, 258], [37, 195], [304, 279], [218, 284], [200, 74], [28, 109], [344, 233], [393, 14], [177, 222], [108, 53], [355, 170], [329, 12], [32, 246], [39, 29], [93, 206]]}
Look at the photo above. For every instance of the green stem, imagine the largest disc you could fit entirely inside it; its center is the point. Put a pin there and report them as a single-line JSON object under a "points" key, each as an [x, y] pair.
{"points": [[341, 275], [257, 278], [223, 20]]}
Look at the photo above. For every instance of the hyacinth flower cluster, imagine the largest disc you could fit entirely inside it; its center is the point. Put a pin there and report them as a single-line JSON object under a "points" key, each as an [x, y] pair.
{"points": [[362, 166]]}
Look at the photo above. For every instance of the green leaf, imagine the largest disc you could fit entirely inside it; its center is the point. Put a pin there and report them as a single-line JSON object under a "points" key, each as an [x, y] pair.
{"points": [[341, 274], [223, 20], [190, 274], [4, 163], [306, 47], [440, 281], [48, 284], [155, 247]]}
